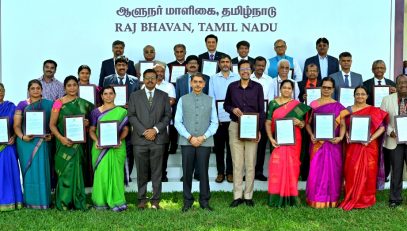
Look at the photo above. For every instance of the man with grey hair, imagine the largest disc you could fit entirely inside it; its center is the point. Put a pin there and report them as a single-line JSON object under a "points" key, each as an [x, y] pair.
{"points": [[149, 56], [283, 67], [378, 69], [196, 121]]}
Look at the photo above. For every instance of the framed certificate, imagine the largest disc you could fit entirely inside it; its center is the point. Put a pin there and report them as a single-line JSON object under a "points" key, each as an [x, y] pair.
{"points": [[401, 128], [108, 133], [379, 92], [346, 97], [249, 126], [34, 123], [285, 134], [359, 129], [312, 94], [176, 71], [144, 65], [88, 92], [4, 132], [324, 126], [209, 67], [75, 128], [219, 107], [121, 95], [266, 105], [235, 68]]}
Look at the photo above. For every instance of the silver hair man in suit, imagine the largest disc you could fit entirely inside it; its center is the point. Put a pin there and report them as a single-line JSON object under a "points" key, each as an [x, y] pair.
{"points": [[345, 77], [196, 121], [149, 115]]}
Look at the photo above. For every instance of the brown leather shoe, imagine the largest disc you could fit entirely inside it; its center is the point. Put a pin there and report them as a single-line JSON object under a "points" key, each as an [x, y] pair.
{"points": [[229, 178], [220, 178], [155, 206], [142, 205]]}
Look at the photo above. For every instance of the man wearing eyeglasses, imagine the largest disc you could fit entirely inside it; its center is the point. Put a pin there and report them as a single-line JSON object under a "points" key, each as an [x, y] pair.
{"points": [[280, 48], [243, 96], [283, 67], [149, 56], [108, 66], [326, 64]]}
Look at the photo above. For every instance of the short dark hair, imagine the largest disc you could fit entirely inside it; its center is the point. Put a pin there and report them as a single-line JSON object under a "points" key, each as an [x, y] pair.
{"points": [[360, 87], [192, 57], [117, 42], [33, 81], [211, 36], [243, 61], [322, 40], [223, 56], [50, 61], [328, 79], [180, 45], [243, 43], [285, 81], [121, 59], [260, 58], [198, 74], [107, 87], [69, 78], [345, 54], [149, 71], [81, 67], [311, 65]]}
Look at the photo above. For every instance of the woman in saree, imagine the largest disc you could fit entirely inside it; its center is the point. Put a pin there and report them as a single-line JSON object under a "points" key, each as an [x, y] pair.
{"points": [[34, 152], [362, 172], [70, 190], [108, 163], [83, 78], [11, 197], [284, 164], [325, 175]]}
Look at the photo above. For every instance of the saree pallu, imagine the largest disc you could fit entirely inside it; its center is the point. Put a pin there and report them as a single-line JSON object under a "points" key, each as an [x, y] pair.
{"points": [[284, 164], [325, 176], [11, 197], [70, 190], [34, 161], [362, 169], [108, 164]]}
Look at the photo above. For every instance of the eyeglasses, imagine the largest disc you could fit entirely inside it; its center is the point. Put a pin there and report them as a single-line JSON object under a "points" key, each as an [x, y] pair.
{"points": [[149, 52], [245, 69], [149, 78], [279, 47]]}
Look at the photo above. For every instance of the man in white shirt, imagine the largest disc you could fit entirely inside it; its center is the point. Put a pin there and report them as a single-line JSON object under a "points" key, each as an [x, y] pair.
{"points": [[283, 67]]}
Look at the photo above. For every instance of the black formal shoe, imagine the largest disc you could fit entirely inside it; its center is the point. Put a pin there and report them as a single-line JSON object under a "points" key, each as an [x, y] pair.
{"points": [[185, 208], [236, 203], [182, 178], [197, 178], [394, 204], [260, 177], [164, 179], [249, 203], [207, 208]]}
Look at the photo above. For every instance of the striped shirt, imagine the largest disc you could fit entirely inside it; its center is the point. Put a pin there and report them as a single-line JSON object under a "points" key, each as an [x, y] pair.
{"points": [[52, 90]]}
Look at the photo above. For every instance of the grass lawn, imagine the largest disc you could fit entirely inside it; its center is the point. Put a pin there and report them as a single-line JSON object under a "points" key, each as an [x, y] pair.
{"points": [[261, 217]]}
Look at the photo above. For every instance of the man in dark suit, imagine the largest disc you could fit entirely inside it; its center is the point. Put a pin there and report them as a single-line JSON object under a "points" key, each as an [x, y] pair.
{"points": [[149, 56], [243, 48], [108, 66], [122, 78], [211, 42], [345, 77], [326, 63], [179, 52], [311, 80], [149, 115]]}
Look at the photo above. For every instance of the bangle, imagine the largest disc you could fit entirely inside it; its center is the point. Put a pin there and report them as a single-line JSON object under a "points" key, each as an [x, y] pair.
{"points": [[189, 139]]}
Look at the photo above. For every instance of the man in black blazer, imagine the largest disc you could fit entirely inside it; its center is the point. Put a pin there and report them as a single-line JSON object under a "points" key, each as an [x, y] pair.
{"points": [[326, 64], [180, 52], [108, 66], [243, 48], [211, 42], [149, 115]]}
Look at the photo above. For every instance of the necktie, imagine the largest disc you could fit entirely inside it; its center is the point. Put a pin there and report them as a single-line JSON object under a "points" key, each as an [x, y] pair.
{"points": [[311, 85], [121, 81], [380, 82], [346, 80], [150, 98], [403, 109], [211, 56]]}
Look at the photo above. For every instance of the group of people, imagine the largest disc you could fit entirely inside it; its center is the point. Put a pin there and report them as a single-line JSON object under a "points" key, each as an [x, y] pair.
{"points": [[201, 112]]}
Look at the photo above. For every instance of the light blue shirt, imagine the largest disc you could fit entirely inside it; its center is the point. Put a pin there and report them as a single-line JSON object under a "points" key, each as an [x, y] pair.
{"points": [[218, 86], [182, 130], [323, 64]]}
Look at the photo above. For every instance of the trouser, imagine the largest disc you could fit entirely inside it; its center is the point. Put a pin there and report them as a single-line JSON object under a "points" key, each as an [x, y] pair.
{"points": [[221, 139], [165, 159], [398, 157], [190, 156], [244, 160], [261, 152], [149, 158]]}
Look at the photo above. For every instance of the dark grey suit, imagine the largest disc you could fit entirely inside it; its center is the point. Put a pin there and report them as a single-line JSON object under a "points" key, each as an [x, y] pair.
{"points": [[355, 81], [149, 154]]}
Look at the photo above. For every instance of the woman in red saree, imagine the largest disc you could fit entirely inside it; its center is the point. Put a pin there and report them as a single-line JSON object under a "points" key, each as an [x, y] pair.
{"points": [[362, 172], [284, 164]]}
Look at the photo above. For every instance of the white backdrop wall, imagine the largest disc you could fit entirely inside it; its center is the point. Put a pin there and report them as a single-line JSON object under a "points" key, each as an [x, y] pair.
{"points": [[76, 32]]}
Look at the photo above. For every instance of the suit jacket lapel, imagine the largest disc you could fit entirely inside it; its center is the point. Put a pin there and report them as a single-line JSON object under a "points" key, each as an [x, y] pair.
{"points": [[145, 99]]}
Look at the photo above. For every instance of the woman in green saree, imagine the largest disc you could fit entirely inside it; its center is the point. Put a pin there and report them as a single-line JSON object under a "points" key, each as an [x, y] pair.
{"points": [[33, 152], [70, 190], [108, 163]]}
